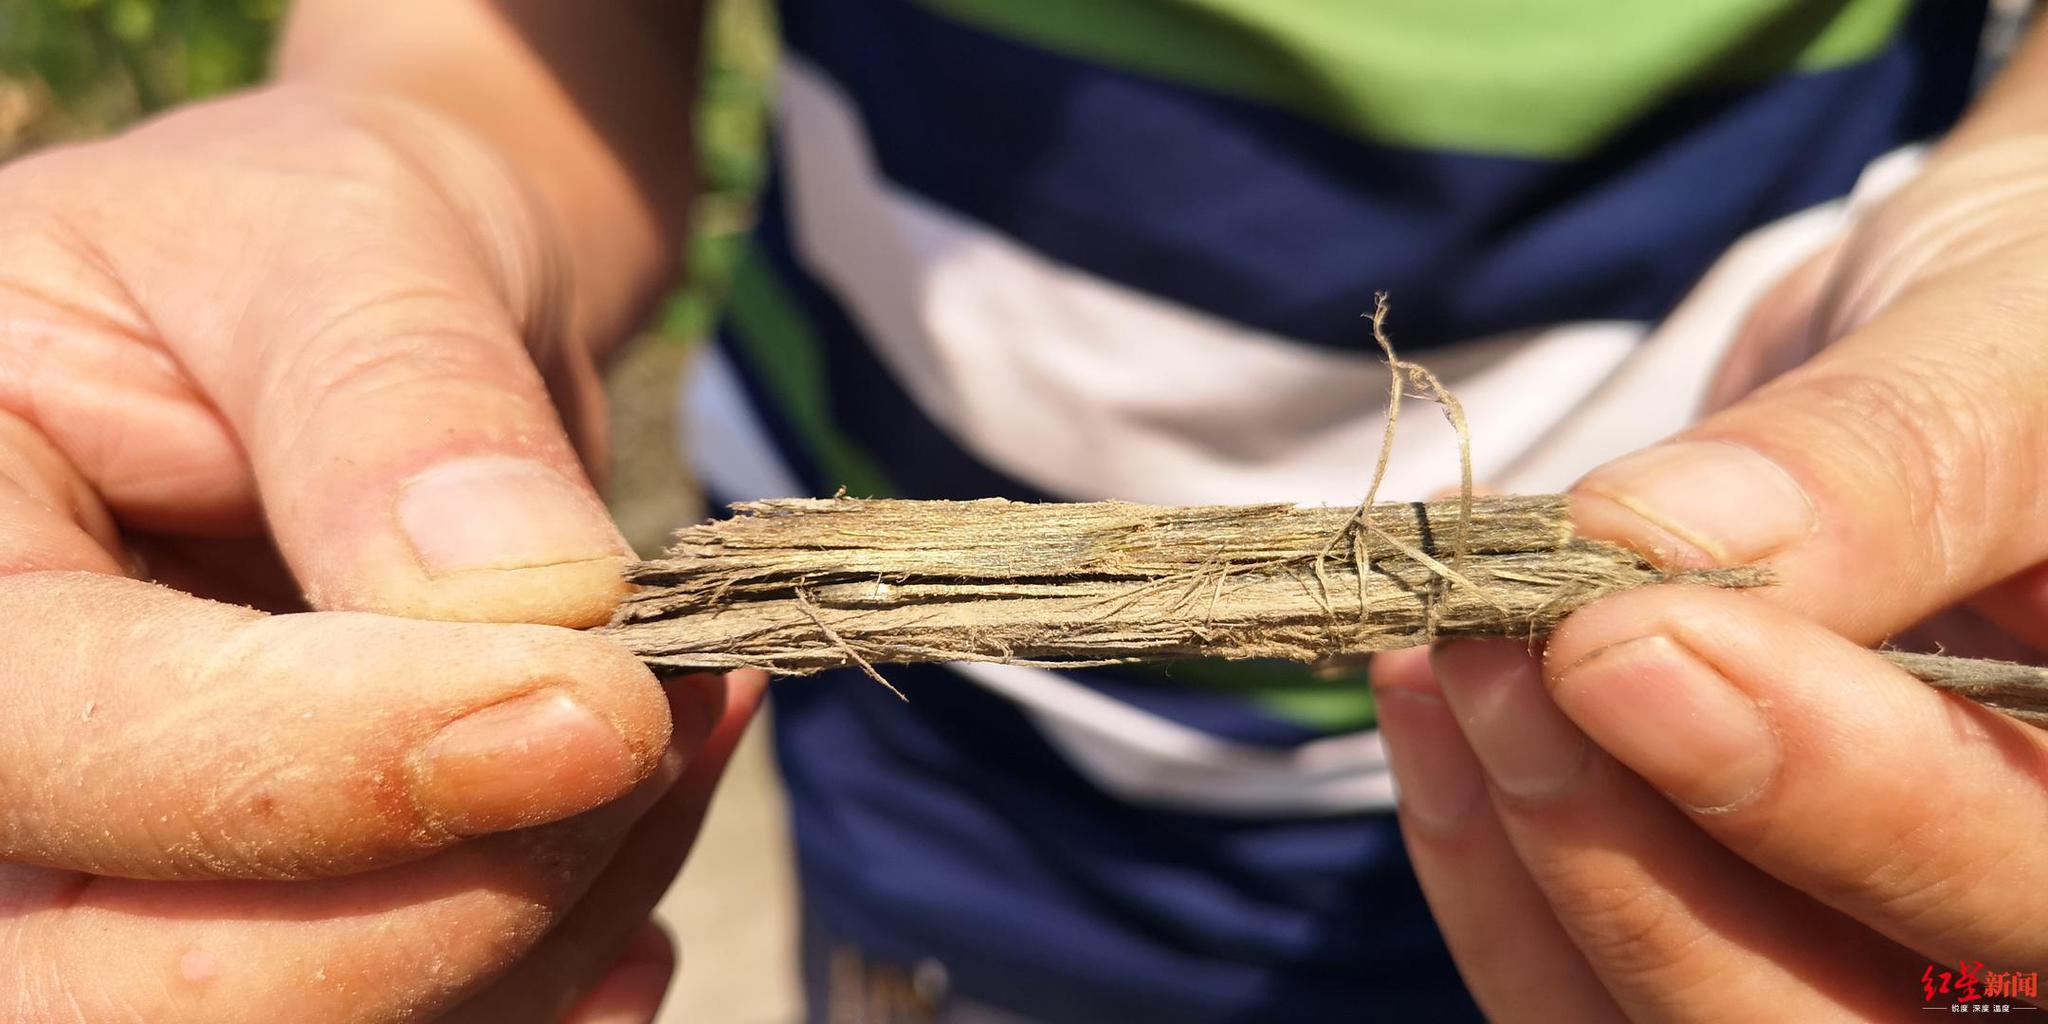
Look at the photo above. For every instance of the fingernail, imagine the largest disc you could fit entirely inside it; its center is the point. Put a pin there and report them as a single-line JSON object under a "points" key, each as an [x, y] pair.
{"points": [[1727, 502], [502, 512], [1439, 779], [1528, 747], [529, 760], [1673, 719]]}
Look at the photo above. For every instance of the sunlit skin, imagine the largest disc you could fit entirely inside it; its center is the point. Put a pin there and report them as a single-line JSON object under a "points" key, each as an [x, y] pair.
{"points": [[320, 360], [1703, 805]]}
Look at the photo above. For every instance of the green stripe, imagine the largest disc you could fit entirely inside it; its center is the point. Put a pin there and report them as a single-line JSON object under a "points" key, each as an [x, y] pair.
{"points": [[781, 346], [1327, 701], [1535, 78]]}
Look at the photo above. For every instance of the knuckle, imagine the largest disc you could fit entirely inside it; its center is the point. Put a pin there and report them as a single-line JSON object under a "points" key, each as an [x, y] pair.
{"points": [[1924, 909], [1911, 865], [1635, 932], [401, 342], [1921, 436], [406, 353], [1916, 887], [305, 810], [1896, 862], [401, 335]]}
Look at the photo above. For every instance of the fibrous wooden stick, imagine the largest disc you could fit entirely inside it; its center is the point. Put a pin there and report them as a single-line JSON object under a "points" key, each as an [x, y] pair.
{"points": [[767, 545], [798, 586], [803, 585], [2018, 690]]}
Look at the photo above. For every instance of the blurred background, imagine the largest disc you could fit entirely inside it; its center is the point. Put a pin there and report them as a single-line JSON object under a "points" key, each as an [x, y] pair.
{"points": [[73, 69]]}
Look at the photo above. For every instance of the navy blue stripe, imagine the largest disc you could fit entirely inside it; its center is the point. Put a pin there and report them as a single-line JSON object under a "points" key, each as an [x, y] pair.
{"points": [[918, 824], [1281, 223]]}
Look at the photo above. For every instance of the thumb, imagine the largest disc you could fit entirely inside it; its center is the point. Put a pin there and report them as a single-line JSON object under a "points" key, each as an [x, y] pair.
{"points": [[408, 455], [411, 463], [1894, 474]]}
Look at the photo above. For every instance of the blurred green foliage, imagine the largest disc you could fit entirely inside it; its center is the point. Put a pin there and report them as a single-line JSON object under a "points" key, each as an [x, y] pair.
{"points": [[81, 67], [739, 68], [73, 68]]}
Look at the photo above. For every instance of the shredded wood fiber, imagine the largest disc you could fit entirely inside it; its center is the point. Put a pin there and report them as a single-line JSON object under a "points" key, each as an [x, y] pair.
{"points": [[796, 586], [800, 585]]}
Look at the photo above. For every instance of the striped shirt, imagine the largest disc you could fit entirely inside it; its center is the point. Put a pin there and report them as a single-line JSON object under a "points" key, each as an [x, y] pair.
{"points": [[1094, 249]]}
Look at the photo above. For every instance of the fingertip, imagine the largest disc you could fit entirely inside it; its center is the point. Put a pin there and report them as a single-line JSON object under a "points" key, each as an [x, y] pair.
{"points": [[1784, 741], [573, 595], [472, 536], [1792, 668], [1673, 718], [1610, 620], [744, 691], [1529, 749], [1696, 504], [746, 688], [1598, 515], [529, 760], [623, 690], [49, 517], [584, 724], [1406, 669], [697, 703], [630, 992], [1647, 611], [651, 944], [1439, 778], [1455, 662], [720, 707], [499, 537]]}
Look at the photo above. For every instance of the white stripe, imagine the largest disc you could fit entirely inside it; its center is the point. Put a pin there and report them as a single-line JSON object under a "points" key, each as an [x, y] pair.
{"points": [[1088, 389], [1147, 759], [1659, 389], [727, 445]]}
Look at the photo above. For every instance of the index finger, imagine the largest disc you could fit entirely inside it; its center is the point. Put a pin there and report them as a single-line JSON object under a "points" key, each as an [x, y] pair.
{"points": [[1907, 809], [152, 734]]}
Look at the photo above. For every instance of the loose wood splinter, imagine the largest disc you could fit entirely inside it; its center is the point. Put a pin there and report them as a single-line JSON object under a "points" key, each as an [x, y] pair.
{"points": [[801, 585]]}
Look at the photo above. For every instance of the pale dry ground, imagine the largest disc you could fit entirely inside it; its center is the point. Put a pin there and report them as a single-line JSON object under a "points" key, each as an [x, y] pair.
{"points": [[733, 912]]}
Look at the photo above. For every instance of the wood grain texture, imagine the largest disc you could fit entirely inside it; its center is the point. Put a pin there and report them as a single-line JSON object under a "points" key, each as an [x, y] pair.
{"points": [[803, 585]]}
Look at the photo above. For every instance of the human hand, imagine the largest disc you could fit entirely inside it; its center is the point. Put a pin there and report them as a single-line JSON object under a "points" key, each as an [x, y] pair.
{"points": [[1707, 805], [295, 343]]}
